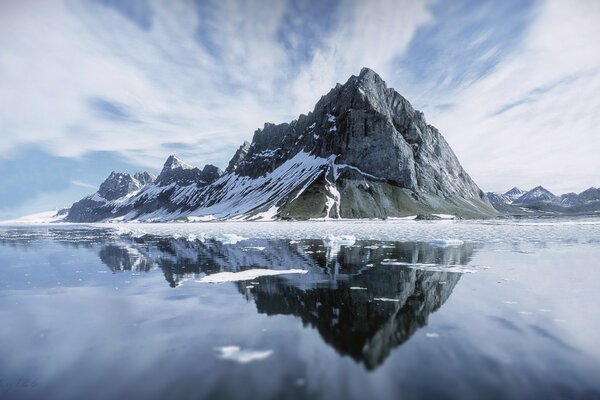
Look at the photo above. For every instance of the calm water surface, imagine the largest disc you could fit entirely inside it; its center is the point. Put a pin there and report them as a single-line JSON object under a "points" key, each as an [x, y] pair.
{"points": [[460, 310]]}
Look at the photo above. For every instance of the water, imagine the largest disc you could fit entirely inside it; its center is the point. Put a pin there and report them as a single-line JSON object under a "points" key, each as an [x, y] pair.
{"points": [[373, 310]]}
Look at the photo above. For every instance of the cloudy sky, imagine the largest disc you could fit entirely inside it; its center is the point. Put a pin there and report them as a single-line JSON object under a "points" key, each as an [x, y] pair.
{"points": [[88, 87]]}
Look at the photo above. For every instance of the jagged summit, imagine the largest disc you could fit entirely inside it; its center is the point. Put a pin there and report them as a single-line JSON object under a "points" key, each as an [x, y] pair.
{"points": [[144, 178], [177, 171], [537, 194], [514, 193], [362, 152], [174, 162]]}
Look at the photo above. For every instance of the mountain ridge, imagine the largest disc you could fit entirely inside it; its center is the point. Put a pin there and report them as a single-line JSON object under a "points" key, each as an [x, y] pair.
{"points": [[539, 200], [363, 152]]}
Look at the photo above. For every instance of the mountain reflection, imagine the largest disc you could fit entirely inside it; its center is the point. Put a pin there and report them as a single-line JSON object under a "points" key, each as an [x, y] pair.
{"points": [[360, 304]]}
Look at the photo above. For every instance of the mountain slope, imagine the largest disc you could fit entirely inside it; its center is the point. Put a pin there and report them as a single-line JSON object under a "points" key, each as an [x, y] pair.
{"points": [[363, 152]]}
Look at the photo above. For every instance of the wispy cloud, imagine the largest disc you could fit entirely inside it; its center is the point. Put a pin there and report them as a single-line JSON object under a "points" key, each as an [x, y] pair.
{"points": [[533, 119], [83, 184], [120, 76], [512, 85]]}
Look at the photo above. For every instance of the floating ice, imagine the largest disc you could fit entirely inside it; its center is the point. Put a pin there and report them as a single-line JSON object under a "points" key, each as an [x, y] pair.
{"points": [[230, 238], [582, 231], [247, 275], [457, 268], [447, 242], [342, 240], [235, 353]]}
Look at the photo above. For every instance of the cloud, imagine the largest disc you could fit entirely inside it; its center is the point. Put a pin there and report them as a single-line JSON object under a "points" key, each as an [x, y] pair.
{"points": [[84, 185], [513, 86], [131, 76], [533, 119]]}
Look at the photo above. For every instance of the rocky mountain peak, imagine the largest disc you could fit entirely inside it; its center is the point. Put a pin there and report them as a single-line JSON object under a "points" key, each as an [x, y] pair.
{"points": [[591, 194], [117, 185], [174, 162], [514, 191], [536, 195], [181, 173], [362, 152], [144, 178], [238, 157]]}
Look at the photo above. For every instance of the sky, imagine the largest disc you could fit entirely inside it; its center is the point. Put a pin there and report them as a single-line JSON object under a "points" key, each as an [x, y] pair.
{"points": [[88, 87]]}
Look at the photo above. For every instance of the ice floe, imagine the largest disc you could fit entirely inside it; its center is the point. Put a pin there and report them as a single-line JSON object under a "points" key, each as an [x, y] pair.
{"points": [[246, 275], [242, 356], [447, 242]]}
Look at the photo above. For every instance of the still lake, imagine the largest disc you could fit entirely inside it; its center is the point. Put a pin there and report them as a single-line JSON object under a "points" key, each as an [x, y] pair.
{"points": [[331, 310]]}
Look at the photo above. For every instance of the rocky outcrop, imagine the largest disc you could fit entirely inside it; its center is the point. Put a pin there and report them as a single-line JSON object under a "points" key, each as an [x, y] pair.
{"points": [[363, 152]]}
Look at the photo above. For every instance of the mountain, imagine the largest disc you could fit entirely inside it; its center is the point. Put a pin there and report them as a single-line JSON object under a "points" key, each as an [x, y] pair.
{"points": [[541, 201], [363, 152], [114, 190], [536, 195], [514, 193]]}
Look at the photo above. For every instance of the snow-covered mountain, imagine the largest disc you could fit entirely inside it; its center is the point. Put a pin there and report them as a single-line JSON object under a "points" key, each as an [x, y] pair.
{"points": [[536, 195], [363, 152], [541, 200], [514, 194]]}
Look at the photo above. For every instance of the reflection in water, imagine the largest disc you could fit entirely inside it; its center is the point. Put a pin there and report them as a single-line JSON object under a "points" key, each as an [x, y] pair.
{"points": [[361, 306], [333, 332]]}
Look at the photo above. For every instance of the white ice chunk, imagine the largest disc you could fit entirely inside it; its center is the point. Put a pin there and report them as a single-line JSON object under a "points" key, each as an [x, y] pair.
{"points": [[247, 275], [235, 353]]}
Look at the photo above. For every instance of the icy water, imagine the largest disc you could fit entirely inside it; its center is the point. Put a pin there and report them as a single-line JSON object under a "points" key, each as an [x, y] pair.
{"points": [[331, 310]]}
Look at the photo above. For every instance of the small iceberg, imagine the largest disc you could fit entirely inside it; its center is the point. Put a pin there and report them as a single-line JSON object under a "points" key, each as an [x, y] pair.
{"points": [[447, 242], [342, 240], [235, 353], [230, 238], [247, 275]]}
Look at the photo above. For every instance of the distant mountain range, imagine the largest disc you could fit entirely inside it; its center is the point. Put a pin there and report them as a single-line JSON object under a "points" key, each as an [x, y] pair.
{"points": [[539, 200], [363, 152]]}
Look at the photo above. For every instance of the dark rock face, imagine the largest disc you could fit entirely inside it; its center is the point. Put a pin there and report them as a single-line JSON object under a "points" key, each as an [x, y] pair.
{"points": [[211, 173], [373, 128], [238, 157], [363, 152]]}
